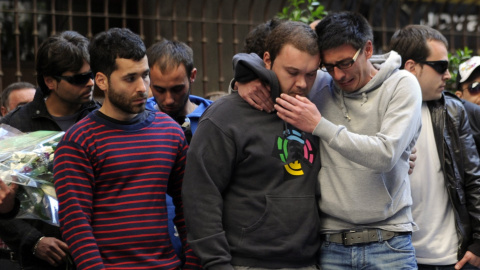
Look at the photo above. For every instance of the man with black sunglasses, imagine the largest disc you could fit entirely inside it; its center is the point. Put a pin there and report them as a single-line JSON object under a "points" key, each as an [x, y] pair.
{"points": [[468, 89], [63, 98], [66, 86], [446, 180]]}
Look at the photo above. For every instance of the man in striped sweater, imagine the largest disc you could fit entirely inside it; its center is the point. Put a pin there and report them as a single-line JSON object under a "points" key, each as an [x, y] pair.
{"points": [[113, 168]]}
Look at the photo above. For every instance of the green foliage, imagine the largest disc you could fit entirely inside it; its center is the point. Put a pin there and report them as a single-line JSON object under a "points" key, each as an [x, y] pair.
{"points": [[305, 11], [455, 60]]}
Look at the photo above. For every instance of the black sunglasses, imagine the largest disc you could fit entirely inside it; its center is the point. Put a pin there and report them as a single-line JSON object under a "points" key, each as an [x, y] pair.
{"points": [[439, 66], [77, 79], [474, 88]]}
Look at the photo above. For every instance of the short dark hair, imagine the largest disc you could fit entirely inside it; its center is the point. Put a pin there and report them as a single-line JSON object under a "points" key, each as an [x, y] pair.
{"points": [[169, 54], [343, 28], [297, 34], [114, 43], [12, 87], [411, 42], [255, 40], [60, 53]]}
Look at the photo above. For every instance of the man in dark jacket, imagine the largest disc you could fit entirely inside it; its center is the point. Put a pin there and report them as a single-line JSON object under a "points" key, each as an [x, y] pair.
{"points": [[64, 97], [249, 185], [468, 89], [446, 180]]}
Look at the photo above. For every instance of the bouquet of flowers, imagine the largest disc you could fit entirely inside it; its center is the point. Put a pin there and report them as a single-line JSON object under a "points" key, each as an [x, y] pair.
{"points": [[27, 159]]}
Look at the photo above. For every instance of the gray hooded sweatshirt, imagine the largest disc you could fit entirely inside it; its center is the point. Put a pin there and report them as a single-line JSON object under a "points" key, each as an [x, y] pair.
{"points": [[366, 139]]}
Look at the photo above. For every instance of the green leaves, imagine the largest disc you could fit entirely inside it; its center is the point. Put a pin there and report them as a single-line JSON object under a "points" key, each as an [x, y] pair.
{"points": [[305, 11], [455, 60]]}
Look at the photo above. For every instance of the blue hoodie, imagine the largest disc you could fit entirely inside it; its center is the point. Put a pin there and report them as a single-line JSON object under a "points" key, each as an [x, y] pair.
{"points": [[194, 117]]}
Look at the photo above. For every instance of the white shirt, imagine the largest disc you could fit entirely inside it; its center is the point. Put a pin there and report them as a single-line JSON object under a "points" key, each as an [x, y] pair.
{"points": [[436, 242]]}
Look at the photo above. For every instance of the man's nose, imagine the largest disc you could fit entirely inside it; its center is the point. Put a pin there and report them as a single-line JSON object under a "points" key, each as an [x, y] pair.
{"points": [[337, 74], [169, 98]]}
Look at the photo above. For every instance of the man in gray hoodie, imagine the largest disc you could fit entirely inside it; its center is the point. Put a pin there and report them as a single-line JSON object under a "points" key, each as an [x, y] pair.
{"points": [[368, 120]]}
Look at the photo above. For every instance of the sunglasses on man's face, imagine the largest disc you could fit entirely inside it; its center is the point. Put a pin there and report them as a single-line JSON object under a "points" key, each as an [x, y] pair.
{"points": [[439, 66], [474, 88], [77, 79]]}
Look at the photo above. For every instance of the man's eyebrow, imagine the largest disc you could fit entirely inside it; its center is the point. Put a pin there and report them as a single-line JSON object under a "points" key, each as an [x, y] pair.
{"points": [[345, 59], [290, 68], [136, 73]]}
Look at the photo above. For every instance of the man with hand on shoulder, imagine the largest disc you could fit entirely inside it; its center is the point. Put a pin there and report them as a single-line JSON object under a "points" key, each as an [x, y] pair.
{"points": [[368, 119], [250, 182]]}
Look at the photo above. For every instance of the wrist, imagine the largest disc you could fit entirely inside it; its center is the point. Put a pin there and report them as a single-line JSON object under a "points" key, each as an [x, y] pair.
{"points": [[34, 250]]}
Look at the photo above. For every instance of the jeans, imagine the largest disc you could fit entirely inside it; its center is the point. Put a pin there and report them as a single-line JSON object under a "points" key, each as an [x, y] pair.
{"points": [[467, 266], [395, 253]]}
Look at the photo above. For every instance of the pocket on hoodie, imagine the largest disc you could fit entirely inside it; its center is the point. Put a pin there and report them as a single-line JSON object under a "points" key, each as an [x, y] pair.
{"points": [[288, 227]]}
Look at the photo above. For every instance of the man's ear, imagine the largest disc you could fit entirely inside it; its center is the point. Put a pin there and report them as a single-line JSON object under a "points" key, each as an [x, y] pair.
{"points": [[3, 110], [50, 82], [101, 81], [267, 60], [459, 93], [368, 49], [411, 66], [193, 75]]}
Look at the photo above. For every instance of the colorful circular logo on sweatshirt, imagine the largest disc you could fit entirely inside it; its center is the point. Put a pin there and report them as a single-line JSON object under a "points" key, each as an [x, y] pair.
{"points": [[294, 150]]}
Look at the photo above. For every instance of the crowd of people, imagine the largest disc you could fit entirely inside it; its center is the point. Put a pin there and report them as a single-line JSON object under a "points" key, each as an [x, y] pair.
{"points": [[325, 155]]}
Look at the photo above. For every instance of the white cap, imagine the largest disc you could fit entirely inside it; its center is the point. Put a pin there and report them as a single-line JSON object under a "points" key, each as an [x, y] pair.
{"points": [[466, 68]]}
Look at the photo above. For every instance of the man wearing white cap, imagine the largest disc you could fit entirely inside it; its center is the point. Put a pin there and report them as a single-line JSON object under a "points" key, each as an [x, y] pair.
{"points": [[468, 85]]}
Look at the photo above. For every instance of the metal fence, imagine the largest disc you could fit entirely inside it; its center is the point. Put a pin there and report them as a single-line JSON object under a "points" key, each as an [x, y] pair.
{"points": [[215, 29]]}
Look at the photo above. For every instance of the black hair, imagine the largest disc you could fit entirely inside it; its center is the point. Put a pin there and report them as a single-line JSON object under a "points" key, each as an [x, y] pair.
{"points": [[169, 54], [411, 42], [255, 39], [337, 29], [114, 43], [60, 53]]}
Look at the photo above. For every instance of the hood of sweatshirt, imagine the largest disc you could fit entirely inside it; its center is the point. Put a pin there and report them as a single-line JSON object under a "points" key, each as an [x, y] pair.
{"points": [[243, 66], [386, 64]]}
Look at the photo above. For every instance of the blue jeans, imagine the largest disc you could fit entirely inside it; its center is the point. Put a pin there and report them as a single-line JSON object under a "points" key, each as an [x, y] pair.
{"points": [[396, 253], [467, 266]]}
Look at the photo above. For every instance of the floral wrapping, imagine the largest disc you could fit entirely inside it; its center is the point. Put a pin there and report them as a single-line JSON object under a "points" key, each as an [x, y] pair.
{"points": [[27, 159]]}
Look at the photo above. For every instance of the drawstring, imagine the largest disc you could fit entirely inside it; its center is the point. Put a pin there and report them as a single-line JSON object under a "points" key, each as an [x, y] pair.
{"points": [[364, 98], [344, 108]]}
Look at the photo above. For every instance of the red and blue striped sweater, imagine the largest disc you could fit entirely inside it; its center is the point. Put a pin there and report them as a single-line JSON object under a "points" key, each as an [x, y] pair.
{"points": [[111, 181]]}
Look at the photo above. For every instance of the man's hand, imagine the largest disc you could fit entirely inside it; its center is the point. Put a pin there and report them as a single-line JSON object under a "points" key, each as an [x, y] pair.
{"points": [[256, 94], [52, 250], [411, 161], [470, 258], [298, 111], [7, 197]]}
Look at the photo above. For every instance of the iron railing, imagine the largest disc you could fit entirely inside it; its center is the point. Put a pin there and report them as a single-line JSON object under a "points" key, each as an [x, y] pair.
{"points": [[215, 29]]}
